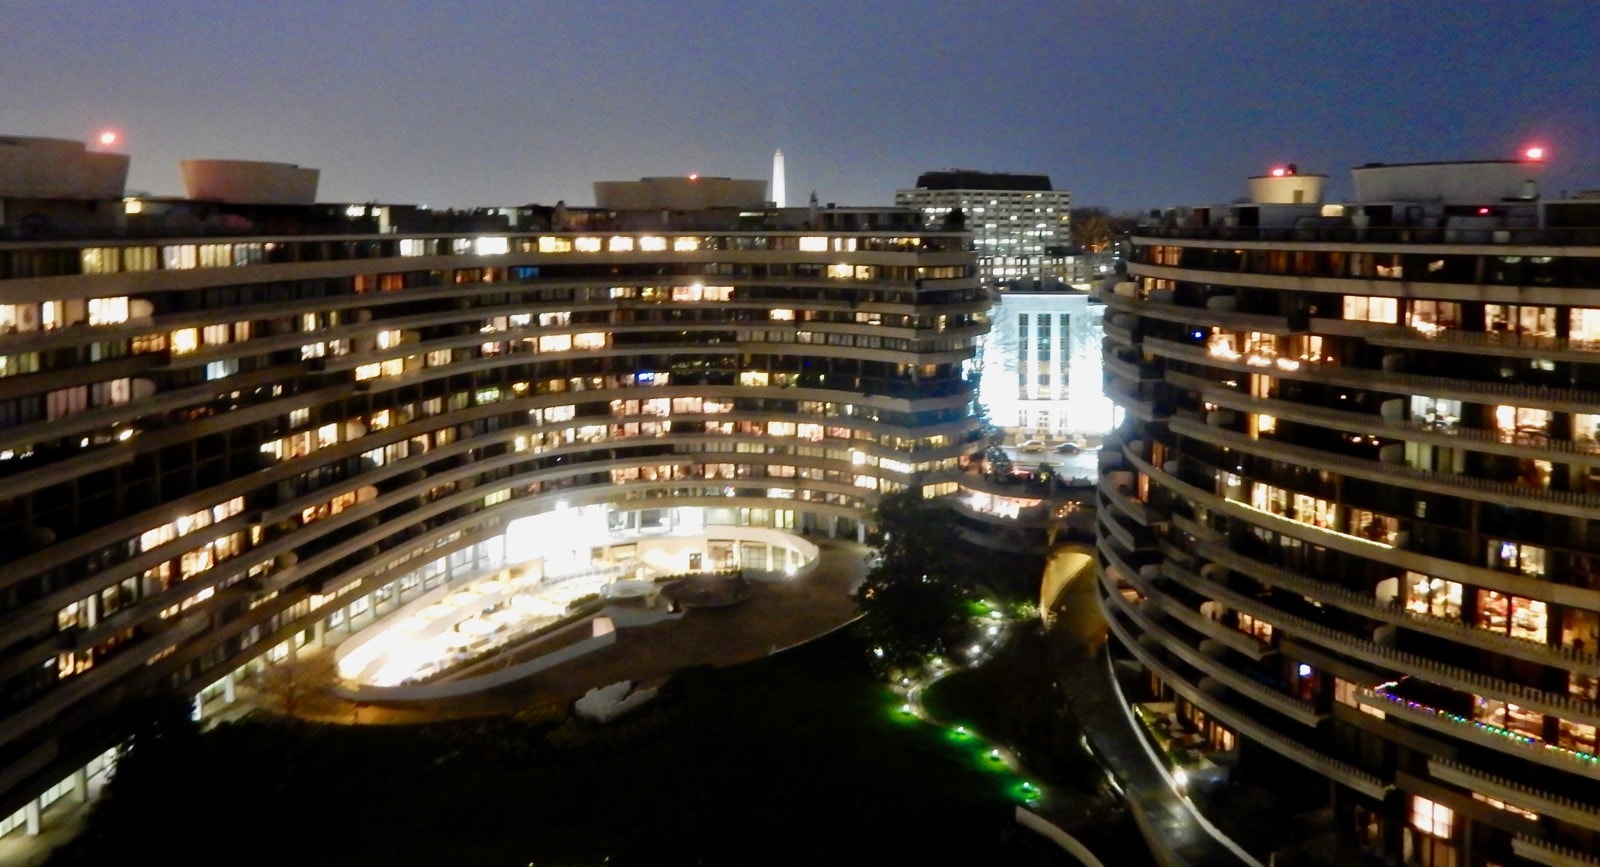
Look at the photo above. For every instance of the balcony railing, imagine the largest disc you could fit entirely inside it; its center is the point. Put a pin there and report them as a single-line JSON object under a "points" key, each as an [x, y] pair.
{"points": [[1398, 661], [1561, 807], [1193, 619], [1395, 612], [1125, 503], [1502, 740], [1541, 345], [1570, 503], [1478, 391], [1372, 235], [1418, 430], [1552, 854], [1244, 726], [1218, 670]]}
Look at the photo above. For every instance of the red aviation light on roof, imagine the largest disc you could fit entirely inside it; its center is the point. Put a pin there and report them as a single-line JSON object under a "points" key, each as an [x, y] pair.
{"points": [[1279, 172], [1483, 212], [1534, 153], [695, 176]]}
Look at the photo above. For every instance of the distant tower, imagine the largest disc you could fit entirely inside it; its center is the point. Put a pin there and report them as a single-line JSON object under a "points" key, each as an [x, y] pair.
{"points": [[778, 195]]}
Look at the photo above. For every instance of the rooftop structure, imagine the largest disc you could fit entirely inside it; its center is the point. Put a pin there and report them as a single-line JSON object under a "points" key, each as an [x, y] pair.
{"points": [[249, 181], [1348, 521], [967, 179]]}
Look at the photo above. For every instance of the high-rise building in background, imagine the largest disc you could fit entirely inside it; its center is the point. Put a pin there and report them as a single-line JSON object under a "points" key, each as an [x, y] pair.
{"points": [[235, 421], [1019, 223], [1350, 528], [1041, 361]]}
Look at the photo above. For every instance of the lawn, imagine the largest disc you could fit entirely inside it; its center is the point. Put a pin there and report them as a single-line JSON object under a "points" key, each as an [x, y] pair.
{"points": [[795, 759], [1014, 700]]}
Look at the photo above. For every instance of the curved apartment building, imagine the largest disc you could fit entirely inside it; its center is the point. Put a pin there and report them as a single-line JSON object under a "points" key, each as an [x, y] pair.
{"points": [[1351, 528], [226, 421]]}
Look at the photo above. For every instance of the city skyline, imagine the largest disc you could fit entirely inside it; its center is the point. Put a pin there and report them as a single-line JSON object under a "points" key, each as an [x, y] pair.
{"points": [[1128, 107]]}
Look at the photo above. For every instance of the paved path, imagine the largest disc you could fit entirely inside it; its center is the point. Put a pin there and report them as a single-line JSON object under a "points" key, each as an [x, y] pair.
{"points": [[1180, 837]]}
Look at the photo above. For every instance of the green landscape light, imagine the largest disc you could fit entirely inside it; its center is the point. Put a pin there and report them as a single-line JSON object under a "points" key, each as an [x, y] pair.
{"points": [[1026, 792], [959, 734]]}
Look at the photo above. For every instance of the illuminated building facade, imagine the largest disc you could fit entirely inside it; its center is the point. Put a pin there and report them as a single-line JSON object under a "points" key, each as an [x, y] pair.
{"points": [[1349, 527], [229, 424], [1015, 220], [1042, 366]]}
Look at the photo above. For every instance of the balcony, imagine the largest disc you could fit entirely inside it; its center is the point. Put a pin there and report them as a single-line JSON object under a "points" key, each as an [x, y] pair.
{"points": [[1217, 669], [1188, 616], [1430, 235], [1206, 318], [1125, 503], [1414, 430], [1118, 333], [1125, 370], [1244, 726], [1498, 344], [1128, 399], [1568, 503], [1558, 807], [1474, 391], [1431, 670], [1553, 854], [1459, 727], [1368, 605]]}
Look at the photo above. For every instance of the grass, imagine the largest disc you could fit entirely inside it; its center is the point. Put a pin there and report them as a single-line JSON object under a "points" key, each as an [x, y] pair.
{"points": [[1013, 700], [796, 759]]}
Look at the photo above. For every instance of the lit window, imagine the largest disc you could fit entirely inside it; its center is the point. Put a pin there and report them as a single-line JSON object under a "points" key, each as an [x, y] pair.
{"points": [[100, 260], [185, 340], [1368, 309], [1502, 805], [1432, 818], [179, 257], [108, 311], [587, 245]]}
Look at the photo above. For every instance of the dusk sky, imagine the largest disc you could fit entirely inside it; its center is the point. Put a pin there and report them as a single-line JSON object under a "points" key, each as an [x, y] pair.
{"points": [[1125, 103]]}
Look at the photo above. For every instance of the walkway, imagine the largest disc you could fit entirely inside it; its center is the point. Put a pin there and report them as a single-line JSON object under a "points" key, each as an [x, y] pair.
{"points": [[1179, 837]]}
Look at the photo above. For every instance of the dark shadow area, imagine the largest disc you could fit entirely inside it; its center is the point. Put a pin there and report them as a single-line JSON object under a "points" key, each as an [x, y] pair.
{"points": [[793, 759]]}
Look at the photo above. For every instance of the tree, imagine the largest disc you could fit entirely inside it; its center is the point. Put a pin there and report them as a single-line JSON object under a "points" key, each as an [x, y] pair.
{"points": [[289, 683], [1095, 228], [913, 599]]}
